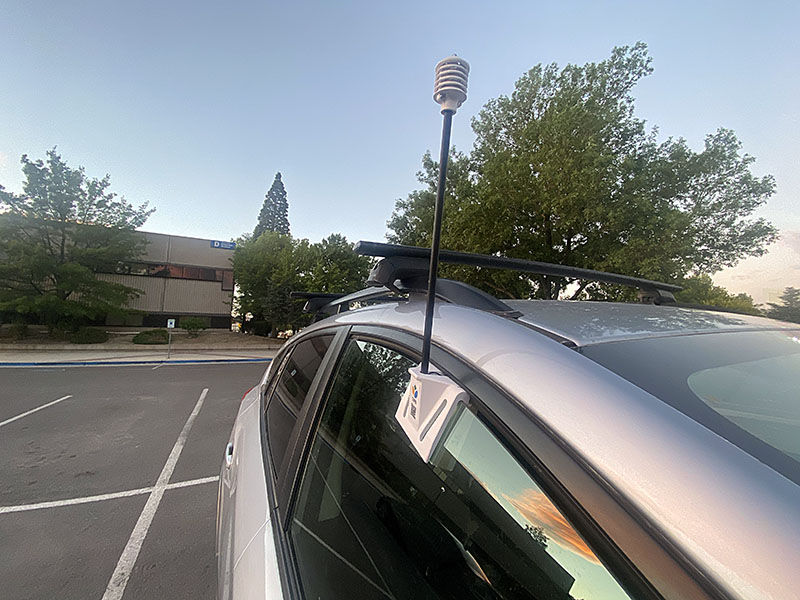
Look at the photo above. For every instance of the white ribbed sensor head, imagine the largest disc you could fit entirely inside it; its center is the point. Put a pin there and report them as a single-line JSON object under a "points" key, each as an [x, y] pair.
{"points": [[450, 89]]}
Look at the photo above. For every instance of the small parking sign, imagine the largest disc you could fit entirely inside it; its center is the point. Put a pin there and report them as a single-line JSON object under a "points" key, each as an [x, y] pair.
{"points": [[170, 323]]}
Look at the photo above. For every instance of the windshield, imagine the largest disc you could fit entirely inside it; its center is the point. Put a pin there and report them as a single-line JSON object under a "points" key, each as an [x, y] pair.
{"points": [[744, 386]]}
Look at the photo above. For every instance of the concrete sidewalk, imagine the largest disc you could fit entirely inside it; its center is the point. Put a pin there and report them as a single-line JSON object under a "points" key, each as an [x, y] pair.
{"points": [[155, 356]]}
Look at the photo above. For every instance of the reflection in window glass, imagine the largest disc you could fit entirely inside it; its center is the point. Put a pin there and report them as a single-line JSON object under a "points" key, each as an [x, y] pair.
{"points": [[741, 385], [372, 516], [760, 396], [293, 385]]}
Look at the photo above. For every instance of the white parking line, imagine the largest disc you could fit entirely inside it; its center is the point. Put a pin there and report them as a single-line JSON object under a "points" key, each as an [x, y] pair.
{"points": [[122, 572], [33, 410], [183, 484], [101, 497]]}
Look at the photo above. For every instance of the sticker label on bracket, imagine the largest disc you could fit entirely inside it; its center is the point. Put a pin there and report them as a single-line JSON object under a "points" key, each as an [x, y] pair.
{"points": [[426, 407]]}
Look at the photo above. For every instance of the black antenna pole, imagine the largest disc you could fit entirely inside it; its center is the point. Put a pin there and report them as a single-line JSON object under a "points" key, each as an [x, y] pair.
{"points": [[437, 235], [450, 91]]}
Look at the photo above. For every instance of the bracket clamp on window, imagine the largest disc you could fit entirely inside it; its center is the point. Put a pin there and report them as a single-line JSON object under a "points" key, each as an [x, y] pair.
{"points": [[426, 408]]}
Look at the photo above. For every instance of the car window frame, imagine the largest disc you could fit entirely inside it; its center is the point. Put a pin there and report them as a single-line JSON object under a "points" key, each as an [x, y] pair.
{"points": [[273, 478], [268, 391], [273, 384], [493, 405]]}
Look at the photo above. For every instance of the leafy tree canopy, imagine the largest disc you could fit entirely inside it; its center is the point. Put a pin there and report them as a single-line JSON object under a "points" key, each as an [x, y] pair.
{"points": [[268, 268], [701, 290], [788, 309], [274, 215], [563, 171], [56, 235]]}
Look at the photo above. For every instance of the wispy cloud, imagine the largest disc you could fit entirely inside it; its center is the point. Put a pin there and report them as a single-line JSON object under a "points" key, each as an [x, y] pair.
{"points": [[537, 508]]}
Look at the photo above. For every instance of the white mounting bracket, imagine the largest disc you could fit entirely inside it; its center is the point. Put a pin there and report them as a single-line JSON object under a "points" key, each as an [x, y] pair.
{"points": [[426, 407]]}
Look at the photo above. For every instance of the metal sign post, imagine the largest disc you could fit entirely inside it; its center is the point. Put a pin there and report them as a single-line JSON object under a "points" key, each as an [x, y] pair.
{"points": [[170, 327]]}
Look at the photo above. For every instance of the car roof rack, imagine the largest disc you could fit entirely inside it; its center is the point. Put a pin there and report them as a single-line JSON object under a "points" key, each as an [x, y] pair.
{"points": [[322, 303], [399, 275], [403, 271], [315, 300], [655, 292]]}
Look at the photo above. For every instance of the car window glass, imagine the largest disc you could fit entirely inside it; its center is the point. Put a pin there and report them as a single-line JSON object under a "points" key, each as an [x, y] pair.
{"points": [[372, 516], [293, 384], [760, 396], [741, 385]]}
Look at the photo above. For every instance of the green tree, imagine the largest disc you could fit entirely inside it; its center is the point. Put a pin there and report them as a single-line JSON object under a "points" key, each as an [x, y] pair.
{"points": [[268, 268], [264, 274], [788, 309], [56, 235], [701, 290], [274, 215], [334, 267], [563, 171]]}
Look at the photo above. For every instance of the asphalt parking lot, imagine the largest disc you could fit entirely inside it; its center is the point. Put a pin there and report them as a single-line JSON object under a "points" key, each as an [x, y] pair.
{"points": [[108, 478]]}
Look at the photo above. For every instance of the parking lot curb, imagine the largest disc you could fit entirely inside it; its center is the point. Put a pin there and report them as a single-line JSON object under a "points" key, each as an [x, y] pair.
{"points": [[88, 363]]}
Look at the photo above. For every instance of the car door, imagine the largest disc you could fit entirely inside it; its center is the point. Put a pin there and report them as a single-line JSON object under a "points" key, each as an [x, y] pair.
{"points": [[262, 434], [365, 513], [240, 456]]}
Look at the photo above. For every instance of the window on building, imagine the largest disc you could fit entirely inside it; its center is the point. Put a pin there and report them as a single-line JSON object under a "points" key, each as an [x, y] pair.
{"points": [[227, 280], [225, 276], [293, 385], [372, 516], [192, 273]]}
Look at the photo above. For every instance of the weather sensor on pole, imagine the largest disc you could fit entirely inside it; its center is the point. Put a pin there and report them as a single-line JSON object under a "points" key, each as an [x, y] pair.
{"points": [[450, 87], [431, 399], [449, 91]]}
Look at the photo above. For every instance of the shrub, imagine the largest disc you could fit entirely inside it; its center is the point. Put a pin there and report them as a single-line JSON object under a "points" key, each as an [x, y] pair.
{"points": [[19, 331], [88, 335], [193, 325], [151, 336], [262, 328]]}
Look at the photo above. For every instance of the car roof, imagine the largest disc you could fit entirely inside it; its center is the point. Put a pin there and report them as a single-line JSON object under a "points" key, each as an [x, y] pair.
{"points": [[583, 323]]}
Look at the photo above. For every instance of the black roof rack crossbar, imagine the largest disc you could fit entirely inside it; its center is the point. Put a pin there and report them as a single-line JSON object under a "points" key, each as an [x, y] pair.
{"points": [[515, 264], [320, 302], [370, 293], [315, 301], [309, 295], [405, 275]]}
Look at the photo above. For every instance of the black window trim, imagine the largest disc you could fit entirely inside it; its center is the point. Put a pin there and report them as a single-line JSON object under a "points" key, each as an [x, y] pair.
{"points": [[289, 583], [553, 461]]}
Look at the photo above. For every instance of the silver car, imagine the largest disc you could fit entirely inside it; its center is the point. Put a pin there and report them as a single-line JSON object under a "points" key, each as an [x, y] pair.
{"points": [[606, 451]]}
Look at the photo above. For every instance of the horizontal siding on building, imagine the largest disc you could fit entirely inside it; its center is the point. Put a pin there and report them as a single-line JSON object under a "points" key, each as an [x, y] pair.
{"points": [[185, 296], [152, 289], [175, 296]]}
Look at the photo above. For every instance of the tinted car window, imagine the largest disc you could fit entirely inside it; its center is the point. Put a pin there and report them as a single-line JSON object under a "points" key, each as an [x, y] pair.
{"points": [[290, 393], [373, 520], [742, 385]]}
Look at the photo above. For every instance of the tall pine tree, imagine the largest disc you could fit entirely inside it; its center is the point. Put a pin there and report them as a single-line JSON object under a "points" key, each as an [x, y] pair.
{"points": [[274, 215]]}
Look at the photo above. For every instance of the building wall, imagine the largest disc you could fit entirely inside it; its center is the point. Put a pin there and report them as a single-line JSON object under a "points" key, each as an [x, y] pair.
{"points": [[178, 250], [196, 297], [175, 296], [152, 289], [169, 295]]}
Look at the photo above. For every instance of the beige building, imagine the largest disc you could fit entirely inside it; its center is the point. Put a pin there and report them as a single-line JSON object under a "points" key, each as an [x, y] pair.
{"points": [[178, 277]]}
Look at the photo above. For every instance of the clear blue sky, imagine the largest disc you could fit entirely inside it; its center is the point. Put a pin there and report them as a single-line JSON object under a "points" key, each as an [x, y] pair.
{"points": [[194, 106]]}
